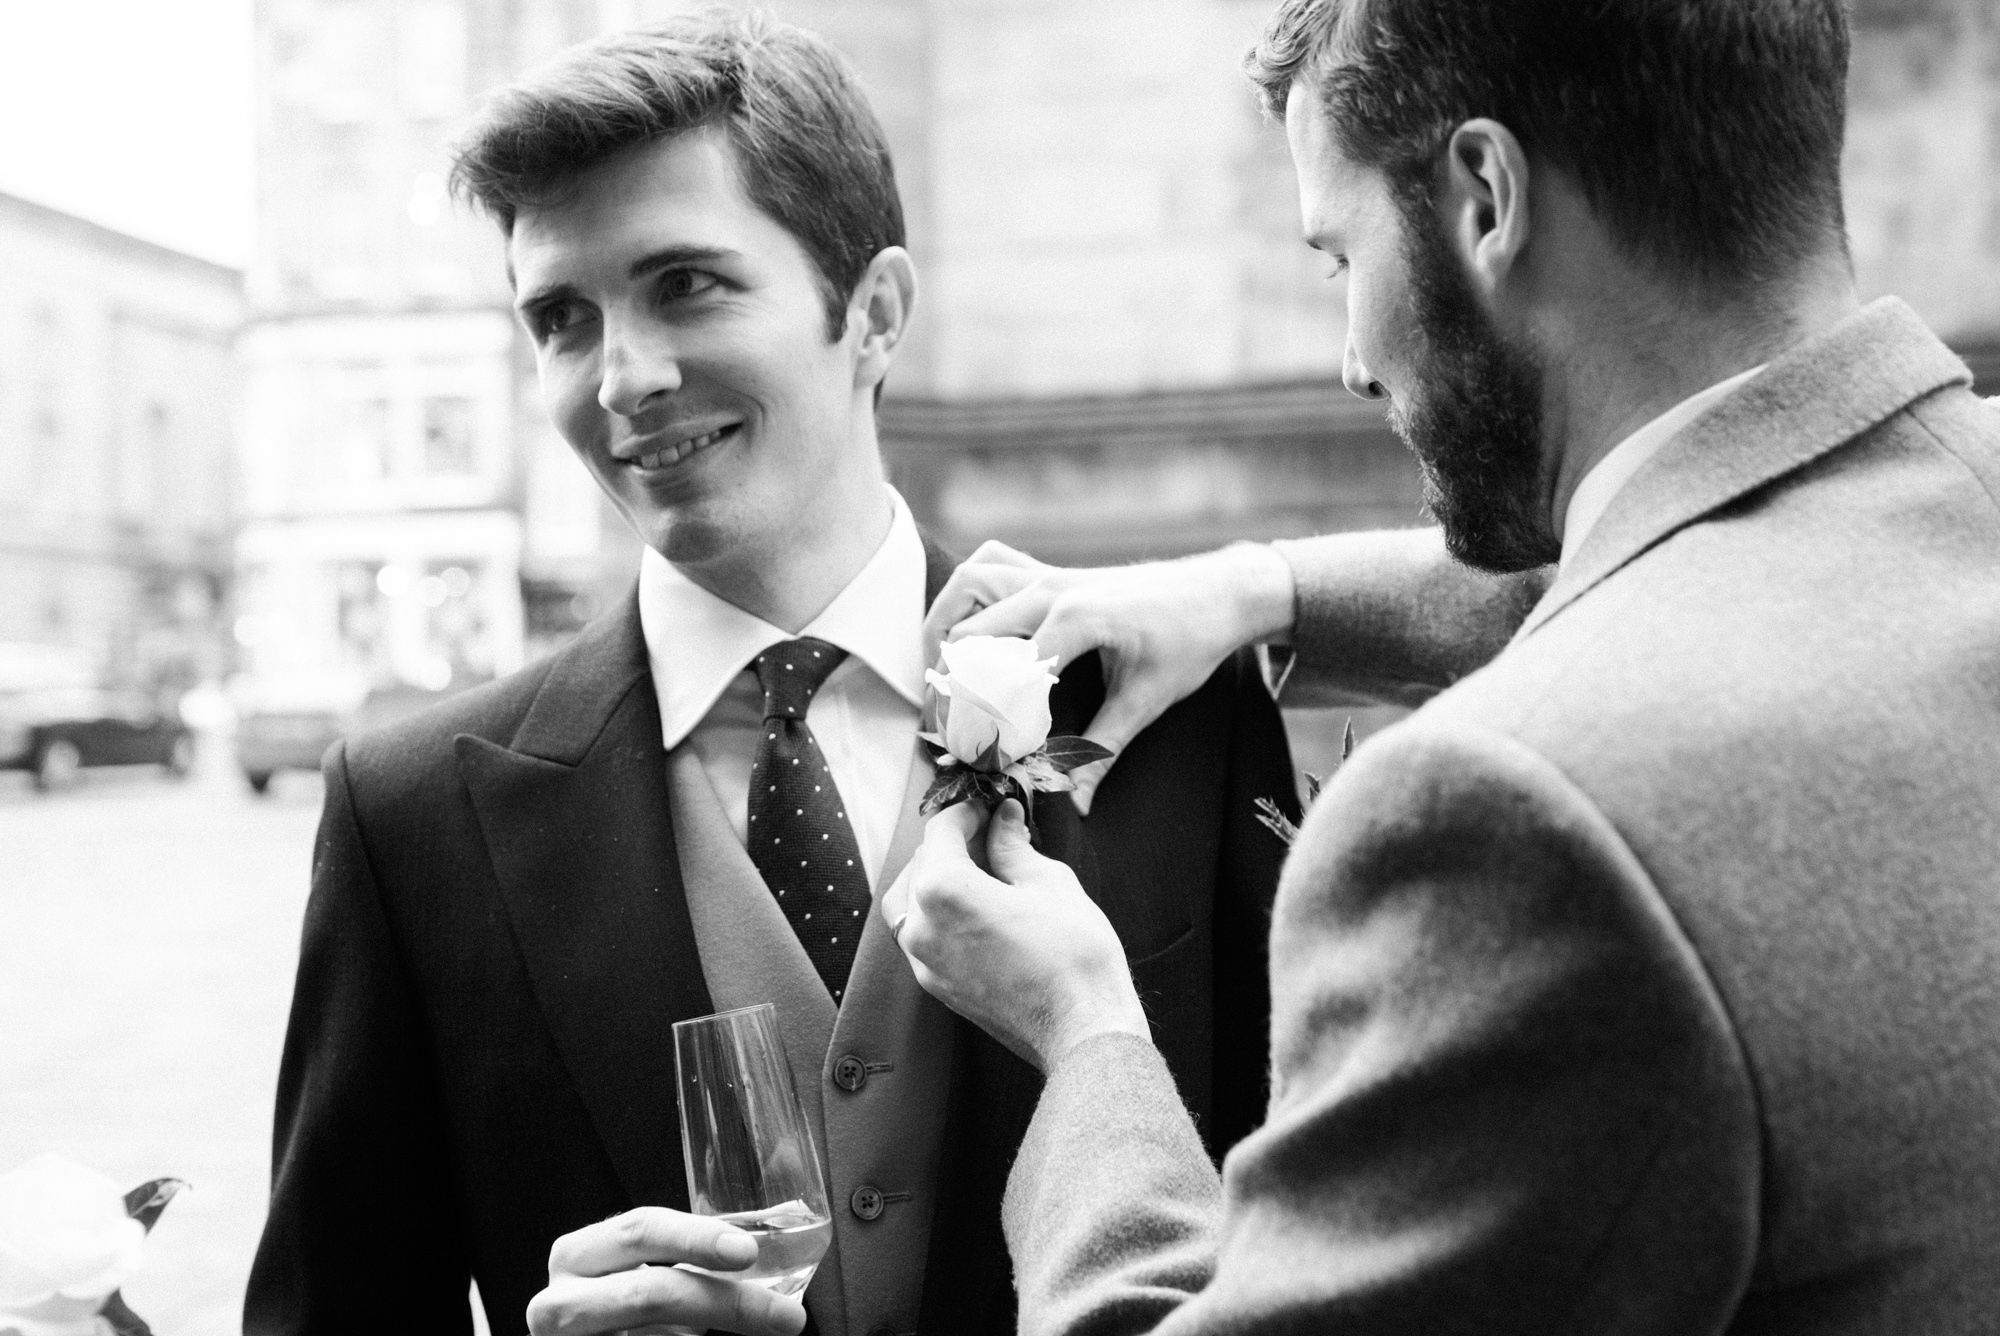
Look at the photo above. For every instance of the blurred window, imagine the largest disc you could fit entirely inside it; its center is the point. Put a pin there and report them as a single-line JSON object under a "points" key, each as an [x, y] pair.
{"points": [[448, 436], [458, 637], [364, 443], [363, 617]]}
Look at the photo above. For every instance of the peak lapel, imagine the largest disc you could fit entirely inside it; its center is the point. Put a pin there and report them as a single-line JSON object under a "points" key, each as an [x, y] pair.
{"points": [[1807, 402], [575, 816]]}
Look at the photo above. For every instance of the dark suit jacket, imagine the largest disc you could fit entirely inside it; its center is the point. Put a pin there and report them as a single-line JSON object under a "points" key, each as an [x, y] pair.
{"points": [[1647, 981], [496, 946]]}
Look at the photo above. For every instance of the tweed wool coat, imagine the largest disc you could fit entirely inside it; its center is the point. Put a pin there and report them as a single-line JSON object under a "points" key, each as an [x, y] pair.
{"points": [[1646, 981]]}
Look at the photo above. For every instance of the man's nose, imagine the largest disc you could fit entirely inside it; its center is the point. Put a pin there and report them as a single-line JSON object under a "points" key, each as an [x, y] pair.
{"points": [[1355, 376], [639, 366]]}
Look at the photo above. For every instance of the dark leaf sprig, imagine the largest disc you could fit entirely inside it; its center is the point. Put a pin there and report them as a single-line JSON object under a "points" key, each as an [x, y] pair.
{"points": [[1273, 816], [1046, 770], [144, 1204]]}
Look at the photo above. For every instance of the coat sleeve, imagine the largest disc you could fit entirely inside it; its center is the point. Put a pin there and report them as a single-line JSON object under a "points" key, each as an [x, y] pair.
{"points": [[362, 1233], [1507, 1098], [1388, 618]]}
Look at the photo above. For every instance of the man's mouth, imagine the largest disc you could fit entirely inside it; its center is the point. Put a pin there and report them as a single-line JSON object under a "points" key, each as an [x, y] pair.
{"points": [[665, 456]]}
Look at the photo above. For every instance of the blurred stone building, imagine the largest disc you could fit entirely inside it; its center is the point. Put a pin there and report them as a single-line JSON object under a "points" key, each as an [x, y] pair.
{"points": [[118, 396], [1121, 347]]}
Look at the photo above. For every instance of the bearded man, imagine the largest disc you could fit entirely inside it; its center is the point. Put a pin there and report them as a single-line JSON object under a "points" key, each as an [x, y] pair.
{"points": [[1647, 979]]}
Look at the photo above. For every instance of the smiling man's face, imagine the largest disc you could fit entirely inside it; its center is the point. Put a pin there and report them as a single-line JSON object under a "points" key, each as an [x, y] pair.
{"points": [[681, 339]]}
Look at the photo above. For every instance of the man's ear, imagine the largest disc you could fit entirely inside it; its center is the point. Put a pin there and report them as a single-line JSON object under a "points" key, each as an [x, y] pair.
{"points": [[1483, 201], [881, 304]]}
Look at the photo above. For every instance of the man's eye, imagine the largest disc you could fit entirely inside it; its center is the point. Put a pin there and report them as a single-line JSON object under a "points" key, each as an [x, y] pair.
{"points": [[552, 319], [681, 284]]}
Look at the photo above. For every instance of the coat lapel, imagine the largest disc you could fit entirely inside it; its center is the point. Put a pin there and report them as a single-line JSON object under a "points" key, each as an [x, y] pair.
{"points": [[1811, 400], [575, 815]]}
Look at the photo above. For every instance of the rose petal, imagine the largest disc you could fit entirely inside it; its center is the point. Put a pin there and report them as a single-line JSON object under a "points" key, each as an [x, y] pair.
{"points": [[969, 728], [64, 1230], [1012, 683]]}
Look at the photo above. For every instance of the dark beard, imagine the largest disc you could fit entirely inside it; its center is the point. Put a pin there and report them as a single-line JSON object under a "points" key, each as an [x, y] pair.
{"points": [[1475, 421]]}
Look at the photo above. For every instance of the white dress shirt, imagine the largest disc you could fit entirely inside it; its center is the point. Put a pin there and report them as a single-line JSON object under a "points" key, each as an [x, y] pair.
{"points": [[1593, 495], [865, 715]]}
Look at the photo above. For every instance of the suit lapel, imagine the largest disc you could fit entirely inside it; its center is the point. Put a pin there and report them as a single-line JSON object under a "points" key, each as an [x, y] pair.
{"points": [[575, 815], [1811, 400]]}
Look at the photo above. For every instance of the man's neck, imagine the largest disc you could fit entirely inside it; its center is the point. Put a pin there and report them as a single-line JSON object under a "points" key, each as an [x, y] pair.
{"points": [[1628, 371], [790, 585]]}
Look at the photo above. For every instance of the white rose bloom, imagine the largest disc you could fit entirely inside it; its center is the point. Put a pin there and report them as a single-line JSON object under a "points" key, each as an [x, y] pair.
{"points": [[993, 688], [66, 1242]]}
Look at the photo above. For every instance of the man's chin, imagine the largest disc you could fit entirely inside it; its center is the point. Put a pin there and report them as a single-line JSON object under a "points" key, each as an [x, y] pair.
{"points": [[685, 540], [1483, 552], [1498, 534]]}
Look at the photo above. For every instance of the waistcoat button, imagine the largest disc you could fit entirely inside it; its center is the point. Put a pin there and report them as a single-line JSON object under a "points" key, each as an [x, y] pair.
{"points": [[866, 1202], [850, 1073]]}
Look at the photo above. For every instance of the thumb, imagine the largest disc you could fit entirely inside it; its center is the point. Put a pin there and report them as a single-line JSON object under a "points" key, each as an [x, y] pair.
{"points": [[1008, 849]]}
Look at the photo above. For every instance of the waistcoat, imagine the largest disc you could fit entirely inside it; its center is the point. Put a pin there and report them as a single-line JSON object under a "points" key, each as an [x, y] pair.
{"points": [[873, 1073]]}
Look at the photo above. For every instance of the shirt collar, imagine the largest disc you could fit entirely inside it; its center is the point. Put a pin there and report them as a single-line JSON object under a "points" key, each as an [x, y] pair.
{"points": [[698, 643], [1593, 495]]}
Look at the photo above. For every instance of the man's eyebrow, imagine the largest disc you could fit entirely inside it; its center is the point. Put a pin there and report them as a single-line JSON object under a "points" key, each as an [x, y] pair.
{"points": [[666, 258], [528, 301], [674, 255]]}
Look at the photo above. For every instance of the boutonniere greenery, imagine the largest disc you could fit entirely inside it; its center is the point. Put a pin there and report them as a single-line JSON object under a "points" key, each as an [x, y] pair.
{"points": [[986, 721], [68, 1240], [1273, 816]]}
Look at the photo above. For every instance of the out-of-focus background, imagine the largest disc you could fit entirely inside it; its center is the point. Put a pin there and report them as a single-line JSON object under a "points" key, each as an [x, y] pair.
{"points": [[272, 463]]}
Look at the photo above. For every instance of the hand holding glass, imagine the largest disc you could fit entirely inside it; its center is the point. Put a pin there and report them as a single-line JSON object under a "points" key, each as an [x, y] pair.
{"points": [[749, 1148]]}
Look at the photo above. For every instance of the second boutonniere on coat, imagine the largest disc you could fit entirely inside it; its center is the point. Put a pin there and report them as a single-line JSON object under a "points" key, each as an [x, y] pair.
{"points": [[986, 717]]}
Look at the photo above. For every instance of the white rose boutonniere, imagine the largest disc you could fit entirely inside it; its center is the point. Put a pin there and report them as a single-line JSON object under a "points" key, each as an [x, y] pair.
{"points": [[987, 719], [68, 1239]]}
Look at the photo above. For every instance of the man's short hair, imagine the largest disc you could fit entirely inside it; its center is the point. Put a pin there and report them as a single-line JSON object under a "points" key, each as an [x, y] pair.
{"points": [[1705, 133], [811, 153]]}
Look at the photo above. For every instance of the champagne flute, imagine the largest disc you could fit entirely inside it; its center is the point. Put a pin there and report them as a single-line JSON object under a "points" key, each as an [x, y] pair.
{"points": [[749, 1148]]}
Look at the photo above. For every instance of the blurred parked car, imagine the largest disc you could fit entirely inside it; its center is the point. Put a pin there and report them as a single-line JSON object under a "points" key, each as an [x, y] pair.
{"points": [[290, 727], [53, 732], [270, 740]]}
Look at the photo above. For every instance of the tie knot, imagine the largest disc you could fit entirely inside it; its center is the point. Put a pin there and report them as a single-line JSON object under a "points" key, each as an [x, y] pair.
{"points": [[791, 672]]}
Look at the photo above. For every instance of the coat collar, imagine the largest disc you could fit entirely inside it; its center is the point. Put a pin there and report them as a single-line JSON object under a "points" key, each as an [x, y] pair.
{"points": [[1807, 402]]}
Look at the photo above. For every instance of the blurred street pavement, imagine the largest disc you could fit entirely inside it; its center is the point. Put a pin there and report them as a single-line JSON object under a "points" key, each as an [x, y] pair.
{"points": [[148, 935]]}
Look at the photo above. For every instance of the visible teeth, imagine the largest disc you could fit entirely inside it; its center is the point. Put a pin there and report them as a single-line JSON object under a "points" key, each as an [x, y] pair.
{"points": [[673, 454]]}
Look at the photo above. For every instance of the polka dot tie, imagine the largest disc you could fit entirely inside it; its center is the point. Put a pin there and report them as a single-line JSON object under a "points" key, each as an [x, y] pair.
{"points": [[799, 834]]}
